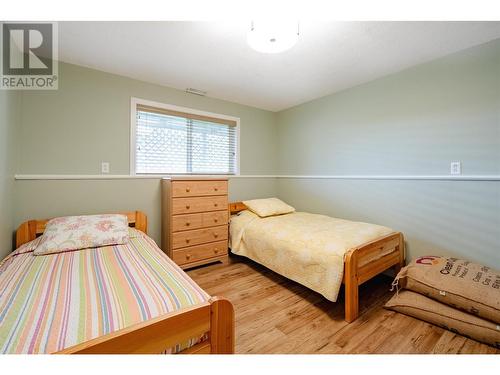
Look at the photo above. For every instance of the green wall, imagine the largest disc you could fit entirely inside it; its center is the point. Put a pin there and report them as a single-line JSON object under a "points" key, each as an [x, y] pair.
{"points": [[9, 125], [414, 122], [49, 198], [411, 123], [87, 120]]}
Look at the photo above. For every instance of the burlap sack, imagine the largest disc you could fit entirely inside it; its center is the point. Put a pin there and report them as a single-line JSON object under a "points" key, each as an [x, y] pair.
{"points": [[464, 285], [426, 309]]}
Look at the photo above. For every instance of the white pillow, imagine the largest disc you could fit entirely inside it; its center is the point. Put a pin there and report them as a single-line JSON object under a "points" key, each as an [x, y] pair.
{"points": [[82, 232], [268, 207]]}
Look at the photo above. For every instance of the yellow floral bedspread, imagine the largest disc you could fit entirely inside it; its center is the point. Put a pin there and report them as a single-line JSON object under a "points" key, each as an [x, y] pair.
{"points": [[303, 247]]}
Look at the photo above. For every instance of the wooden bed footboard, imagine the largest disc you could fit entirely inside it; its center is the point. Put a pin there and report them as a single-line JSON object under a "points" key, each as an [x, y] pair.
{"points": [[361, 263], [215, 317], [366, 261]]}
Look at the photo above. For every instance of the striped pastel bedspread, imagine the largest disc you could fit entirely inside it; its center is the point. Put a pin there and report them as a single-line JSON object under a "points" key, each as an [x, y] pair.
{"points": [[52, 302]]}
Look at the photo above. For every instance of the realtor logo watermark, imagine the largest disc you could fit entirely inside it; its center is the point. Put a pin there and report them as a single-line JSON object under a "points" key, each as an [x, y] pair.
{"points": [[29, 56]]}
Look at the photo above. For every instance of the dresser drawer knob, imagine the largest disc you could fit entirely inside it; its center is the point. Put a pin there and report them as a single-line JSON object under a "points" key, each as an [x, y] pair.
{"points": [[216, 250], [188, 190], [187, 240], [215, 220], [188, 256], [187, 206], [216, 235], [216, 189], [215, 204], [187, 224]]}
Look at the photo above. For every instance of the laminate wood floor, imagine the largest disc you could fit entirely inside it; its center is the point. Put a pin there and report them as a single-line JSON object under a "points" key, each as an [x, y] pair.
{"points": [[277, 315]]}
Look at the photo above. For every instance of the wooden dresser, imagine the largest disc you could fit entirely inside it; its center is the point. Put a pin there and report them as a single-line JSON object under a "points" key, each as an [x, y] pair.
{"points": [[195, 220]]}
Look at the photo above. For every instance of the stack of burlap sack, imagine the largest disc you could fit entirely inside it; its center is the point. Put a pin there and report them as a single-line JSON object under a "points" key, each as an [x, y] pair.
{"points": [[455, 294]]}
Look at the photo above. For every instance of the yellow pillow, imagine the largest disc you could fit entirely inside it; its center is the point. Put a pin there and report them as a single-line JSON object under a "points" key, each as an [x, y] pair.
{"points": [[268, 207]]}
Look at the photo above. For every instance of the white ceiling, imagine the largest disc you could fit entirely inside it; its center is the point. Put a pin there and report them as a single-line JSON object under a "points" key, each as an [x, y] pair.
{"points": [[214, 56]]}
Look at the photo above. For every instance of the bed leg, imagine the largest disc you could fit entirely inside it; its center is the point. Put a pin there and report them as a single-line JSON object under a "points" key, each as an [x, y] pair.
{"points": [[351, 287], [351, 302], [221, 326]]}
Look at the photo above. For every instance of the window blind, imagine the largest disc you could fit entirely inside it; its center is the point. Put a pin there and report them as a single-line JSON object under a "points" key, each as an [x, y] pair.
{"points": [[171, 142]]}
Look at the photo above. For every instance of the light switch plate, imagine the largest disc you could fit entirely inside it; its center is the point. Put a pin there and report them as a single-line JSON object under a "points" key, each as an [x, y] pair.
{"points": [[455, 168], [104, 167]]}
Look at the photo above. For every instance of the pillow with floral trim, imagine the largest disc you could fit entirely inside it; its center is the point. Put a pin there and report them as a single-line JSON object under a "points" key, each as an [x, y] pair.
{"points": [[32, 245], [82, 232]]}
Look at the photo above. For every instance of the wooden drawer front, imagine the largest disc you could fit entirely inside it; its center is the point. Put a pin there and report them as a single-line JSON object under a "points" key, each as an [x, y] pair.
{"points": [[199, 204], [198, 236], [215, 218], [187, 222], [197, 188], [200, 252], [201, 220]]}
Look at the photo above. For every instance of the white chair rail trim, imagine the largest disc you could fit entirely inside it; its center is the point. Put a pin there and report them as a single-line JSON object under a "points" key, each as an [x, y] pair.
{"points": [[303, 177]]}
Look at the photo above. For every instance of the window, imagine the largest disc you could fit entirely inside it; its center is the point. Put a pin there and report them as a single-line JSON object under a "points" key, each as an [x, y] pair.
{"points": [[173, 140]]}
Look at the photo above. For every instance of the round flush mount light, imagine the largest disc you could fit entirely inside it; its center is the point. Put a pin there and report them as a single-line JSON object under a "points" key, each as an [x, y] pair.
{"points": [[273, 37]]}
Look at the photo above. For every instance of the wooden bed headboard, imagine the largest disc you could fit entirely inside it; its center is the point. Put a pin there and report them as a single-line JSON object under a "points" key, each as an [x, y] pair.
{"points": [[236, 207], [29, 230]]}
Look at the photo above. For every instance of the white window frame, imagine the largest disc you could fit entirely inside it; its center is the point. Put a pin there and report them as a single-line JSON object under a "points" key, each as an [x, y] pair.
{"points": [[133, 124]]}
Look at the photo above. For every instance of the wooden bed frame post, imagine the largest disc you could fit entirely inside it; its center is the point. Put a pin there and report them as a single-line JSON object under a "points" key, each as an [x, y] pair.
{"points": [[141, 221], [26, 232], [402, 255], [221, 326], [351, 287]]}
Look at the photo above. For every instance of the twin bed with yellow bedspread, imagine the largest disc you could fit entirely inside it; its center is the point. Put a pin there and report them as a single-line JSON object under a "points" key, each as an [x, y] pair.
{"points": [[317, 251], [303, 247]]}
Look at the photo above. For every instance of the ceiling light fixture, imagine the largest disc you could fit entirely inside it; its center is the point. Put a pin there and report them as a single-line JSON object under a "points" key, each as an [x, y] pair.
{"points": [[273, 36]]}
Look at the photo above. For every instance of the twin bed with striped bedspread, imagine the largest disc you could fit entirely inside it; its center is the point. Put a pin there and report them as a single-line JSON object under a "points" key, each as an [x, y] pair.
{"points": [[52, 302]]}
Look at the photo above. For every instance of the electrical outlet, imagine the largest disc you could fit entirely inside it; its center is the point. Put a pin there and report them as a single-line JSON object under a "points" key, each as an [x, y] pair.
{"points": [[455, 168], [104, 167]]}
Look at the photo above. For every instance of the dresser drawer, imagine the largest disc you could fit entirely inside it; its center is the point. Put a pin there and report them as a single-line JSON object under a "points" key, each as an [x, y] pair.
{"points": [[200, 252], [187, 222], [197, 188], [200, 220], [215, 218], [198, 236], [198, 204]]}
